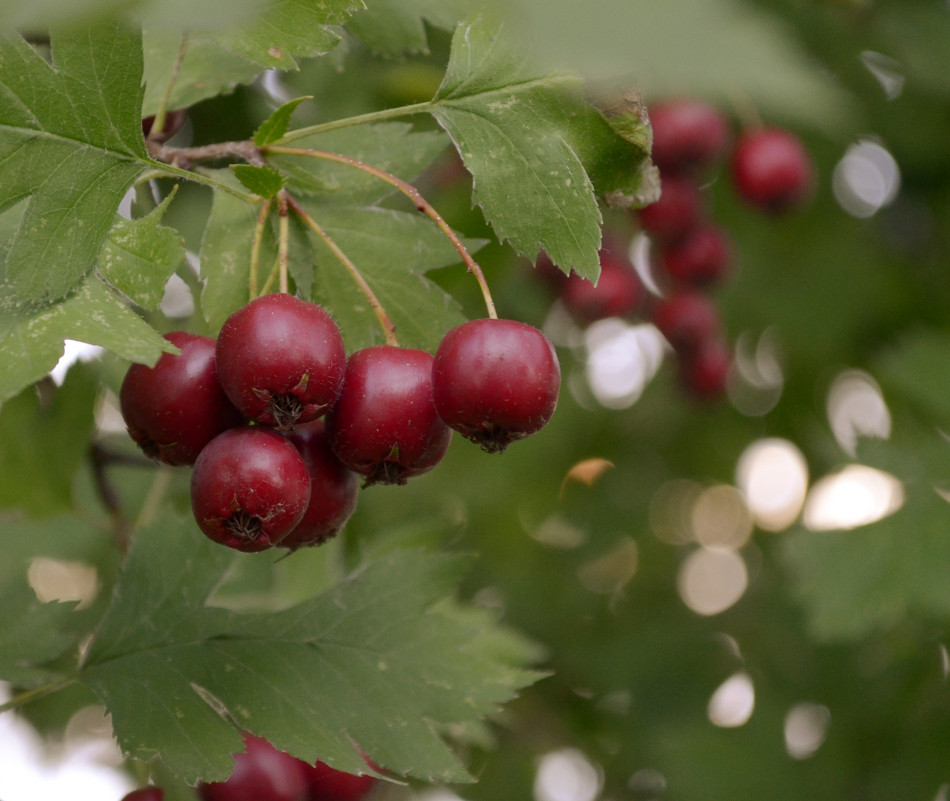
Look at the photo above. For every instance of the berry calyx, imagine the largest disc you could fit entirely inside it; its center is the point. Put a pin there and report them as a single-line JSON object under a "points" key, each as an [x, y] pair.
{"points": [[701, 259], [174, 409], [617, 292], [281, 360], [249, 488], [689, 135], [145, 794], [772, 170], [261, 773], [329, 784], [687, 319], [495, 381], [333, 488], [678, 211], [384, 425]]}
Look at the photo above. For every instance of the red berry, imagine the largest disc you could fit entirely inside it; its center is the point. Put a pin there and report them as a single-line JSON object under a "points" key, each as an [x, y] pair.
{"points": [[678, 211], [705, 371], [328, 784], [617, 293], [261, 773], [333, 488], [384, 426], [249, 489], [175, 408], [145, 794], [688, 135], [281, 360], [495, 381], [687, 319], [702, 258], [173, 122], [772, 170]]}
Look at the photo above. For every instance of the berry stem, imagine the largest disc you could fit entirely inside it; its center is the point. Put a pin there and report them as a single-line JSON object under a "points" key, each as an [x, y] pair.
{"points": [[256, 248], [283, 242], [158, 126], [389, 330], [37, 692], [409, 191]]}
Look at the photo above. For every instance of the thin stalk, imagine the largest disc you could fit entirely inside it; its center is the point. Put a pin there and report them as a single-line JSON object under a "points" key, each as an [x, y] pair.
{"points": [[283, 243], [389, 330], [409, 191], [159, 123], [154, 498], [271, 277], [37, 692], [256, 248], [361, 119]]}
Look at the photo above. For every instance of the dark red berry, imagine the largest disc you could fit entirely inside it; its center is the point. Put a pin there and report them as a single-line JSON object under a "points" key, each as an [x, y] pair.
{"points": [[704, 372], [495, 381], [689, 135], [261, 773], [333, 488], [384, 425], [173, 122], [145, 794], [687, 319], [281, 360], [174, 409], [678, 211], [617, 293], [328, 784], [772, 170], [249, 489], [701, 259]]}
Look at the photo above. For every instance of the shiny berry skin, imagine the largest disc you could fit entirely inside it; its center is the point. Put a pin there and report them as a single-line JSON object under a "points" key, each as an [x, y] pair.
{"points": [[145, 794], [689, 135], [687, 319], [333, 488], [678, 211], [281, 360], [174, 409], [328, 784], [261, 773], [250, 487], [617, 293], [772, 170], [701, 259], [384, 425], [495, 381]]}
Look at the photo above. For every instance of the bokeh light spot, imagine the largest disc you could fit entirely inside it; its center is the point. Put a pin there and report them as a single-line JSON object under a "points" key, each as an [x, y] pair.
{"points": [[855, 496], [866, 179], [856, 408], [773, 477], [721, 518], [733, 702], [711, 580], [806, 726], [567, 775]]}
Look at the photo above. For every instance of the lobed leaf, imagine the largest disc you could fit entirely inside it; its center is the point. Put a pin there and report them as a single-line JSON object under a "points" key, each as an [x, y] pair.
{"points": [[514, 133], [374, 662], [70, 145]]}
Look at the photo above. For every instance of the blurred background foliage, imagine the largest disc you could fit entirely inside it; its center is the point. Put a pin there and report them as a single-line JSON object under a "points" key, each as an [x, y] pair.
{"points": [[721, 619]]}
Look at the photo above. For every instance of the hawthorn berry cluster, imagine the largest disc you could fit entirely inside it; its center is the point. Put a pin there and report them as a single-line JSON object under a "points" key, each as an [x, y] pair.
{"points": [[262, 773], [770, 170], [280, 425]]}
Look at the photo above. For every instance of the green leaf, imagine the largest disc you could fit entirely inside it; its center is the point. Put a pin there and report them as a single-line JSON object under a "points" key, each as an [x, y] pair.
{"points": [[392, 147], [31, 634], [70, 141], [392, 250], [275, 126], [215, 62], [30, 348], [139, 256], [263, 181], [373, 662], [512, 128], [917, 369], [226, 255], [43, 441], [394, 27]]}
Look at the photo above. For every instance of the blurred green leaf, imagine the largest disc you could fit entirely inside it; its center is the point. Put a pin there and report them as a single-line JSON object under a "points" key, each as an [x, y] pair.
{"points": [[395, 27], [263, 181], [31, 634]]}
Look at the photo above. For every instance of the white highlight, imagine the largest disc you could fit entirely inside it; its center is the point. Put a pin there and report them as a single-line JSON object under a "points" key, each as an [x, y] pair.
{"points": [[806, 727], [855, 496], [711, 580], [733, 702], [773, 476], [866, 179], [567, 775]]}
